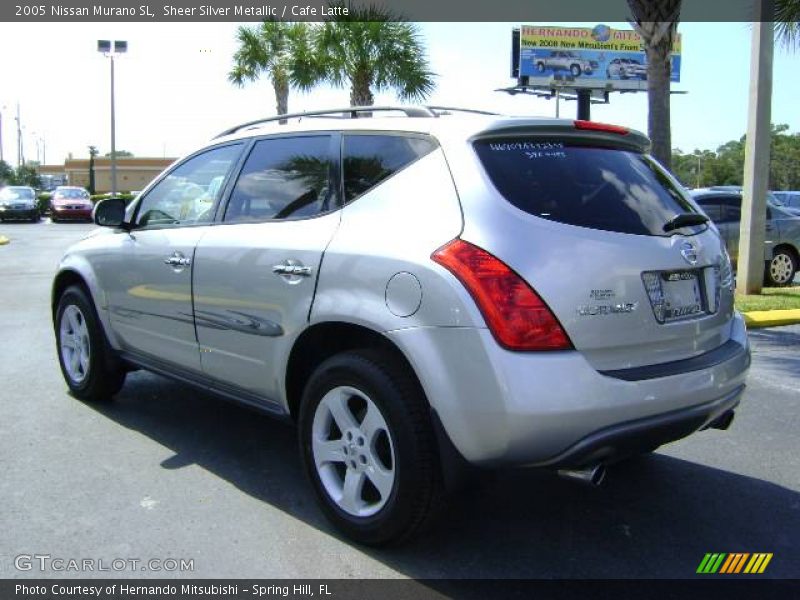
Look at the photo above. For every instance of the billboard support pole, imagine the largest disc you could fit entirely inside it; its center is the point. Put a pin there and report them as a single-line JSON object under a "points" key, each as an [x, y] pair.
{"points": [[584, 105]]}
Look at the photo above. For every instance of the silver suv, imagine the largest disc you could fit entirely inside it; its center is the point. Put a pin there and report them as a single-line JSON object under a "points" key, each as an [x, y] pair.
{"points": [[418, 293], [559, 60]]}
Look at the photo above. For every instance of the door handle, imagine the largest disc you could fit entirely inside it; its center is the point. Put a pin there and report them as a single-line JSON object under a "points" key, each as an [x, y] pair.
{"points": [[290, 269], [177, 260]]}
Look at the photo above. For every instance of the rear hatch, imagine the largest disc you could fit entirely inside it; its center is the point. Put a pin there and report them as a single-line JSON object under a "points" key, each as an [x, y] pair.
{"points": [[605, 236]]}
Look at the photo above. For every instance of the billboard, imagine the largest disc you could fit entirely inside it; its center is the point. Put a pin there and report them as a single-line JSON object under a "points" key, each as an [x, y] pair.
{"points": [[599, 56]]}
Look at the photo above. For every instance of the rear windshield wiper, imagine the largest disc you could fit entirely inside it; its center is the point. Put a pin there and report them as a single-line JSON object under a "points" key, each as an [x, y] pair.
{"points": [[684, 220]]}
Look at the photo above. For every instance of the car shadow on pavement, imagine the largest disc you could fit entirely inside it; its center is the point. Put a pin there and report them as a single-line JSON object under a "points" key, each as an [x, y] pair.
{"points": [[655, 516]]}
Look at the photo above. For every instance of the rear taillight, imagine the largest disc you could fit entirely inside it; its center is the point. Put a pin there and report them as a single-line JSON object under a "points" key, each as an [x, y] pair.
{"points": [[516, 316], [593, 126]]}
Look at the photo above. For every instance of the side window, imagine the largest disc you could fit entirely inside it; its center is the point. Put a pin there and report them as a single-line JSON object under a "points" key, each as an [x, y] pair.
{"points": [[188, 194], [284, 178], [369, 159]]}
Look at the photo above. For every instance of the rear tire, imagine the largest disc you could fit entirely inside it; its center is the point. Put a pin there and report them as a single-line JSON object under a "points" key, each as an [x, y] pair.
{"points": [[87, 362], [369, 447], [575, 70]]}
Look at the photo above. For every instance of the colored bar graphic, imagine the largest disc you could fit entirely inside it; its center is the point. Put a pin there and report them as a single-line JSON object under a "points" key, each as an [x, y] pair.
{"points": [[733, 563]]}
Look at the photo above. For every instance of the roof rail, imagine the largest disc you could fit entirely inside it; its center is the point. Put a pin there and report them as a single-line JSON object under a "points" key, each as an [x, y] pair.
{"points": [[445, 110], [352, 111]]}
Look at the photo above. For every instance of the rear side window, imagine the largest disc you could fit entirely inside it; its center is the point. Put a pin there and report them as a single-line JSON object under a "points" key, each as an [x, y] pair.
{"points": [[284, 178], [370, 159], [595, 187]]}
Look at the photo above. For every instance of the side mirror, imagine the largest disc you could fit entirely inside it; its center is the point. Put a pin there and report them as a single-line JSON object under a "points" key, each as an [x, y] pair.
{"points": [[109, 212]]}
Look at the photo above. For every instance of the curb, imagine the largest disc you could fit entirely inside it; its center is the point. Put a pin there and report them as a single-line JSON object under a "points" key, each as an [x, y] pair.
{"points": [[771, 318], [4, 240]]}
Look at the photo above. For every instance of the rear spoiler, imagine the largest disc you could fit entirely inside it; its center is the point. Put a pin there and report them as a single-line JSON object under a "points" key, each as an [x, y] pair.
{"points": [[588, 131]]}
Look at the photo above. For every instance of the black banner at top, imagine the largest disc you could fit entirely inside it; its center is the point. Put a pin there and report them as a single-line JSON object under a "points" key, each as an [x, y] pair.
{"points": [[596, 11]]}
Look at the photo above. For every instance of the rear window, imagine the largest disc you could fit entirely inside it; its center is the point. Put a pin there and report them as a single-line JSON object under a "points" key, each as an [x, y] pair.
{"points": [[595, 187], [370, 159]]}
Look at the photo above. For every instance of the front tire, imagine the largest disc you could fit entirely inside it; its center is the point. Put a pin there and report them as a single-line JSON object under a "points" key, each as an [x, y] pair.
{"points": [[575, 70], [781, 269], [369, 448], [89, 369]]}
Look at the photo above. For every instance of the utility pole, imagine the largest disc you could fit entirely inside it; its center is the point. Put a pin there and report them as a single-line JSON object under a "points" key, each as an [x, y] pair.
{"points": [[750, 269]]}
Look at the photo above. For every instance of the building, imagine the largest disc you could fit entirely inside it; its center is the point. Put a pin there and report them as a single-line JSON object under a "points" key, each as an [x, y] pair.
{"points": [[132, 173]]}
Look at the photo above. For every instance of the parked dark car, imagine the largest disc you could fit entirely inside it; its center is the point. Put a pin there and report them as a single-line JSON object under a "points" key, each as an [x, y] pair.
{"points": [[782, 242], [70, 204], [18, 202]]}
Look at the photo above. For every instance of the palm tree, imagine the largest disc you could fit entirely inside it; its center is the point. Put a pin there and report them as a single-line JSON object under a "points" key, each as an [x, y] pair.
{"points": [[372, 50], [787, 22], [280, 50], [656, 21]]}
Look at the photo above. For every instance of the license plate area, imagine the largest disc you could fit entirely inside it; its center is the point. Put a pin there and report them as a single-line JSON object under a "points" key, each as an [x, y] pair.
{"points": [[678, 295]]}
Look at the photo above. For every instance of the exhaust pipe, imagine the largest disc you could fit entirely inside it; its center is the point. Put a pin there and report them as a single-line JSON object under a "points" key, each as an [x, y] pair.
{"points": [[723, 421], [592, 475]]}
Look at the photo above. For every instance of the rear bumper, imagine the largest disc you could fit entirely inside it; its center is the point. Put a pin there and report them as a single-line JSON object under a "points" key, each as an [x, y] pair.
{"points": [[554, 409], [633, 437]]}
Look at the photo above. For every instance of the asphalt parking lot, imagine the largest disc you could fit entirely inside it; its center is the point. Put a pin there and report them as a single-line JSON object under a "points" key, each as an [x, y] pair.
{"points": [[167, 472]]}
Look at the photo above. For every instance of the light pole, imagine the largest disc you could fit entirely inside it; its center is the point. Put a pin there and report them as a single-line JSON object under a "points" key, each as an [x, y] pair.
{"points": [[119, 47]]}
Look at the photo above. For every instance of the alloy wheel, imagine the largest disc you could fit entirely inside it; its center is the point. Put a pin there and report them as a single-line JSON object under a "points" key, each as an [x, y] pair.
{"points": [[353, 451], [74, 343]]}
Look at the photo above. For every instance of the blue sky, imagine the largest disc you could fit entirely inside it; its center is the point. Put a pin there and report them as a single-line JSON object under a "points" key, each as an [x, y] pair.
{"points": [[172, 92]]}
